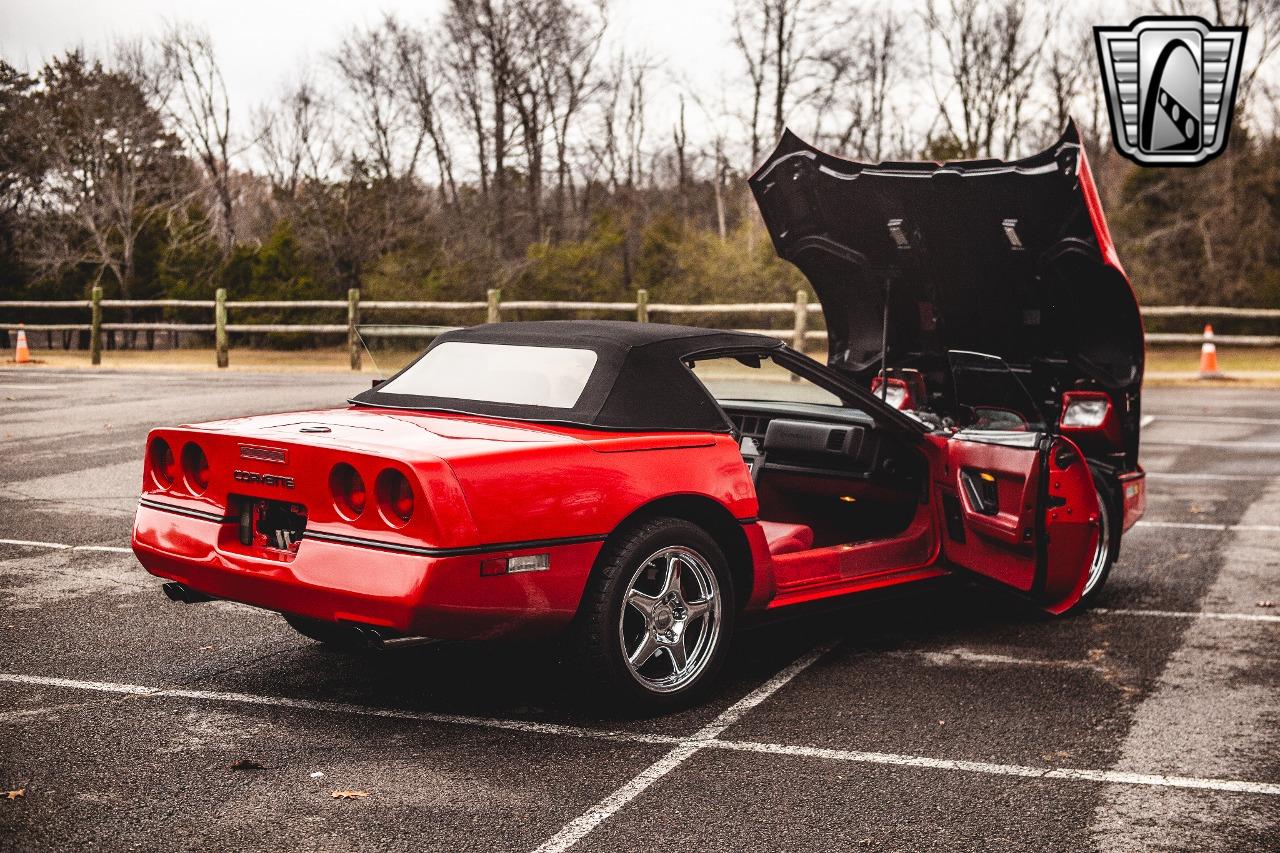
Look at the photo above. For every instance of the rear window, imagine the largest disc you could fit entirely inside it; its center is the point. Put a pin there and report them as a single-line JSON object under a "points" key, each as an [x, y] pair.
{"points": [[498, 373]]}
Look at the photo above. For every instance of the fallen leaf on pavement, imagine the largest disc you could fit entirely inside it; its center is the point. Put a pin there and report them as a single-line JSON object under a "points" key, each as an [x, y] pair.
{"points": [[15, 794], [247, 764], [350, 795]]}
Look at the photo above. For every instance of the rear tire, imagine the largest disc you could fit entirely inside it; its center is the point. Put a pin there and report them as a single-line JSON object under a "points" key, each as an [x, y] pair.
{"points": [[331, 634], [649, 640]]}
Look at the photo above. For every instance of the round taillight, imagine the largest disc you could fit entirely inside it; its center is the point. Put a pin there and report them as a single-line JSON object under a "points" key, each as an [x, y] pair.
{"points": [[395, 497], [348, 490], [162, 463], [195, 466]]}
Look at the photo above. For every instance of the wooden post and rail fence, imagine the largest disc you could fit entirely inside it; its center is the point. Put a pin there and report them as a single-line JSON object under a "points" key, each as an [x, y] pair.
{"points": [[798, 335]]}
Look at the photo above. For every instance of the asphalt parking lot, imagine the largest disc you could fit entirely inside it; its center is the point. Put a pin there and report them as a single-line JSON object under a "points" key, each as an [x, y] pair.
{"points": [[946, 719]]}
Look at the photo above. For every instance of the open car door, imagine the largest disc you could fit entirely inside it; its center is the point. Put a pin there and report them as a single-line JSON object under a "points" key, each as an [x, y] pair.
{"points": [[1019, 501], [1020, 509]]}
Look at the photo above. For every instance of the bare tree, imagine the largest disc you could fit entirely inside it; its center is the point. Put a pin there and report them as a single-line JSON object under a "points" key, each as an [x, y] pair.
{"points": [[368, 66], [295, 139], [985, 54], [563, 71], [420, 78], [623, 141], [483, 39], [200, 109], [778, 41], [1067, 77], [751, 27], [680, 141], [857, 80]]}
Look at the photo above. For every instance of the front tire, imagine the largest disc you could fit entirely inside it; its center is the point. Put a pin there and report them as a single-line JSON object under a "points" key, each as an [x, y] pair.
{"points": [[657, 615], [1108, 542]]}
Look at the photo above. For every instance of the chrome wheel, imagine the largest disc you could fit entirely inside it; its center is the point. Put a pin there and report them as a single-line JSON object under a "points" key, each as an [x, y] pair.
{"points": [[670, 622], [1102, 553]]}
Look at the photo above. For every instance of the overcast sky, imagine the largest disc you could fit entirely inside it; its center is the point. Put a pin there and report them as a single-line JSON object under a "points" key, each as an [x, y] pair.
{"points": [[262, 43]]}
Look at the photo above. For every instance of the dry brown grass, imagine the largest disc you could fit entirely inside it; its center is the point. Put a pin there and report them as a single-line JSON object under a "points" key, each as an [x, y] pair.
{"points": [[1165, 365], [243, 360]]}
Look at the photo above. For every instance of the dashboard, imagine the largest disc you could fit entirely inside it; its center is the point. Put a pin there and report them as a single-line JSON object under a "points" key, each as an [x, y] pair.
{"points": [[813, 439]]}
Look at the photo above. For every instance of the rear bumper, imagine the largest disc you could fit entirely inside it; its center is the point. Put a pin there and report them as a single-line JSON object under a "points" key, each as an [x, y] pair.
{"points": [[1133, 491], [435, 596]]}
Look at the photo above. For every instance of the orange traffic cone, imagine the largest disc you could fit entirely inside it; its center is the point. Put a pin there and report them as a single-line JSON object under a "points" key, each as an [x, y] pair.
{"points": [[1209, 356], [22, 354]]}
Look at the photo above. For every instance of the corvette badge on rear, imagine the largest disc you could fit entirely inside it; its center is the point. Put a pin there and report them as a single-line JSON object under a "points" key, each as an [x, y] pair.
{"points": [[264, 479]]}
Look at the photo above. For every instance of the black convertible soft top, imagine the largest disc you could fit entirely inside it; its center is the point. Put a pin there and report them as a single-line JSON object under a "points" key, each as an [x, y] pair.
{"points": [[639, 381]]}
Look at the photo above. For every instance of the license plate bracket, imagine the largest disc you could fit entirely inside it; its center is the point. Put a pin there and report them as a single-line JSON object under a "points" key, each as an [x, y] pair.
{"points": [[273, 525]]}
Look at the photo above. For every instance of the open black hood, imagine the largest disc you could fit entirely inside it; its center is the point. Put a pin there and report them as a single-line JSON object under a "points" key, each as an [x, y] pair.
{"points": [[1007, 258]]}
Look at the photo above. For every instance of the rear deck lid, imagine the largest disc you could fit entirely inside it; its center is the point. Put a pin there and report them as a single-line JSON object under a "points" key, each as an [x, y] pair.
{"points": [[1008, 258]]}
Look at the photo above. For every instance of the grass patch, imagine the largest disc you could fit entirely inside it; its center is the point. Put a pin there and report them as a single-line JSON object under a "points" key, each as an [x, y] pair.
{"points": [[1230, 360], [243, 360]]}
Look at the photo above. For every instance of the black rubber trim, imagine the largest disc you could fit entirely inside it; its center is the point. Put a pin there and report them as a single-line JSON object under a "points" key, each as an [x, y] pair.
{"points": [[449, 552], [389, 546], [752, 520], [182, 510]]}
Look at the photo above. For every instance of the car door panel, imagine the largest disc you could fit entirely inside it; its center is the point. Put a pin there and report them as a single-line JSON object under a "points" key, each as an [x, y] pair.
{"points": [[1071, 527], [997, 544], [1025, 513]]}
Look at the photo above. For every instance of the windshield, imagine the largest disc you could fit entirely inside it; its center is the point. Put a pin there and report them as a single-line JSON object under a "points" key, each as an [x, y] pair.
{"points": [[758, 378], [498, 373], [990, 395]]}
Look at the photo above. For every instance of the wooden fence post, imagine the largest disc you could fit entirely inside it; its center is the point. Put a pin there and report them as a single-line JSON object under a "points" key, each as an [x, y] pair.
{"points": [[802, 321], [220, 326], [642, 305], [95, 326], [495, 305], [353, 317]]}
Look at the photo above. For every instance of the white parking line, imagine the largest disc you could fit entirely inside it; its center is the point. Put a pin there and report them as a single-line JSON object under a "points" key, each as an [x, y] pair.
{"points": [[1186, 614], [525, 726], [705, 738], [60, 546], [1208, 711], [1209, 525], [1236, 478], [1075, 774], [960, 655], [1213, 419], [578, 828], [1244, 445]]}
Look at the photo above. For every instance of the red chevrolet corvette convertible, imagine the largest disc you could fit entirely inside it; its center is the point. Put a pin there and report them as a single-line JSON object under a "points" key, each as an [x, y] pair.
{"points": [[645, 487]]}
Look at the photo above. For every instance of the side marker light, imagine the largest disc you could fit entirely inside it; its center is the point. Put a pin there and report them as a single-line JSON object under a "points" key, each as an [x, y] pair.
{"points": [[515, 565]]}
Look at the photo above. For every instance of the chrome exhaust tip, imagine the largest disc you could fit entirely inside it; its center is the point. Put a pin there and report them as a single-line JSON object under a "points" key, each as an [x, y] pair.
{"points": [[175, 591], [385, 639]]}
